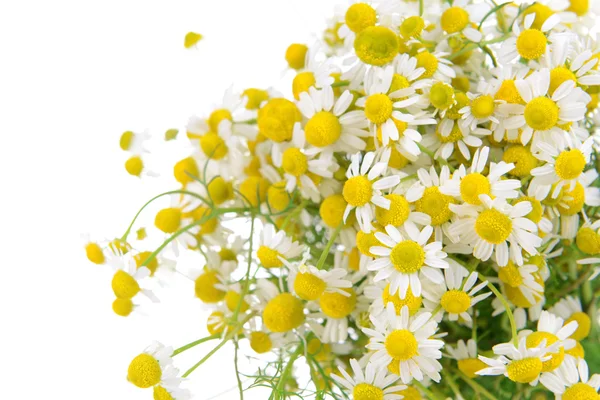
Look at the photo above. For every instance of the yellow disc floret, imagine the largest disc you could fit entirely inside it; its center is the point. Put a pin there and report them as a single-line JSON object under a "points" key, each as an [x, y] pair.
{"points": [[125, 140], [493, 226], [255, 98], [332, 210], [455, 301], [168, 220], [366, 391], [276, 119], [134, 165], [558, 76], [220, 190], [358, 191], [402, 345], [397, 213], [283, 313], [436, 205], [254, 189], [573, 201], [588, 241], [412, 27], [470, 366], [294, 162], [360, 16], [509, 93], [122, 307], [535, 338], [473, 185], [336, 305], [376, 45], [260, 342], [580, 391], [454, 19], [523, 159], [569, 164], [584, 325], [579, 7], [542, 13], [124, 285], [160, 393], [531, 44], [268, 257], [323, 129], [185, 170], [144, 371], [142, 257], [295, 55], [410, 300], [378, 108], [94, 253], [441, 96], [427, 61], [218, 116], [525, 370], [407, 257], [483, 106], [233, 300], [204, 287], [213, 146], [308, 286], [541, 113], [302, 82], [364, 242]]}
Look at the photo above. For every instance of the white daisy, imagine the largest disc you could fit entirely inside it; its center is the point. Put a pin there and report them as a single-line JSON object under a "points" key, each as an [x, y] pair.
{"points": [[466, 356], [154, 366], [572, 381], [274, 246], [309, 283], [372, 383], [527, 42], [569, 308], [129, 280]]}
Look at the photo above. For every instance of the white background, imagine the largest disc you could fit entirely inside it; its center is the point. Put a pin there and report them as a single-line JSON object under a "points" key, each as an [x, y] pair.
{"points": [[73, 76]]}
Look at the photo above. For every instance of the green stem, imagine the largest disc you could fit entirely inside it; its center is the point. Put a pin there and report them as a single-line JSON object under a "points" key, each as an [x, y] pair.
{"points": [[340, 84], [511, 318], [325, 252], [194, 343], [293, 214], [284, 374], [476, 386], [237, 372], [421, 7], [426, 150], [452, 385], [427, 392]]}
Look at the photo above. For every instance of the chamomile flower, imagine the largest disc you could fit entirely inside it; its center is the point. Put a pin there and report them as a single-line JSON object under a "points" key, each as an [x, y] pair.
{"points": [[94, 249], [281, 311], [379, 293], [180, 214], [491, 227], [358, 16], [154, 366], [134, 142], [405, 345], [469, 185], [436, 65], [520, 364], [162, 393], [309, 283], [330, 127], [369, 382], [466, 356], [484, 107], [569, 308], [553, 331], [208, 281], [262, 341], [317, 73], [405, 260], [451, 135], [276, 245], [528, 42], [572, 381], [523, 286], [460, 17], [129, 280], [364, 186]]}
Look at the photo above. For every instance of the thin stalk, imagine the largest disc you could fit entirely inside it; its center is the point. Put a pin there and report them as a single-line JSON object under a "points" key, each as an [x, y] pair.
{"points": [[237, 372], [194, 343], [427, 392], [511, 318], [286, 371], [293, 213], [325, 252], [476, 386]]}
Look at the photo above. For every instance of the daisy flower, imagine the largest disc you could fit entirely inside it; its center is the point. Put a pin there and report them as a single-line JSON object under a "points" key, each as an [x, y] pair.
{"points": [[363, 188], [274, 246], [309, 283], [404, 262], [281, 311], [484, 107], [460, 17], [262, 341], [569, 308], [154, 366], [128, 280], [572, 381], [450, 135], [523, 285], [466, 356], [209, 280], [553, 330], [520, 364], [379, 294], [493, 226], [134, 142], [527, 42], [161, 392], [469, 185], [372, 383], [317, 73], [329, 126], [181, 213], [457, 296], [436, 65], [300, 166], [403, 344]]}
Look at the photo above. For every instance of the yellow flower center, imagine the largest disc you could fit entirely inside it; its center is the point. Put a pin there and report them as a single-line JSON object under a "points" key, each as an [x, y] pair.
{"points": [[584, 325], [215, 323], [508, 92], [410, 393], [366, 391], [531, 44], [134, 165], [323, 129], [577, 351], [364, 242], [184, 170], [294, 162], [122, 307], [537, 211], [575, 204], [427, 61], [205, 289], [436, 205], [144, 371], [220, 190], [411, 301], [493, 226], [268, 257], [455, 301], [525, 370], [283, 313], [558, 76], [354, 259], [398, 82], [232, 299], [579, 7], [278, 197], [302, 82], [402, 345], [472, 185], [454, 136], [336, 305], [360, 16], [510, 275], [454, 19], [515, 295], [94, 253], [332, 210], [580, 391], [523, 159], [295, 55], [569, 164], [541, 113], [397, 160], [376, 45], [407, 257], [216, 117], [124, 285], [588, 241], [168, 220], [357, 191], [412, 27], [276, 119], [535, 338], [542, 13], [260, 342], [441, 96], [308, 286], [160, 393], [125, 140], [255, 98], [254, 189], [398, 212], [378, 108], [461, 100], [483, 106], [213, 146], [141, 257], [470, 366]]}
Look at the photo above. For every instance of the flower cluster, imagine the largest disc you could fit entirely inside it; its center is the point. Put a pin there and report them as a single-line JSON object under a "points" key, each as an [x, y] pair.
{"points": [[414, 216]]}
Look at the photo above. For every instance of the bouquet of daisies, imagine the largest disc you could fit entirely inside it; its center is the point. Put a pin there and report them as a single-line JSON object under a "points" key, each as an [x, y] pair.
{"points": [[414, 216]]}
